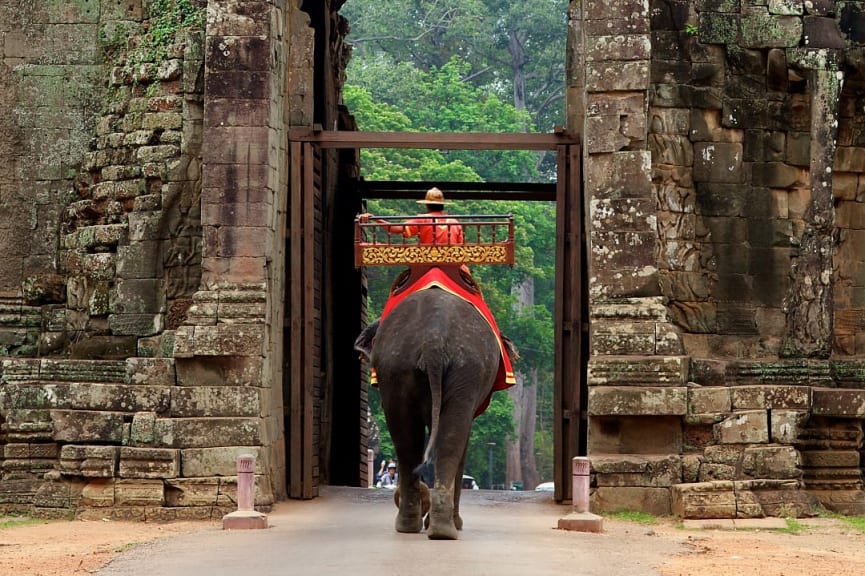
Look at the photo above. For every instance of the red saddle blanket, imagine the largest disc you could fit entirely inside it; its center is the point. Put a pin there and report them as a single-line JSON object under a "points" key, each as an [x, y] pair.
{"points": [[436, 278]]}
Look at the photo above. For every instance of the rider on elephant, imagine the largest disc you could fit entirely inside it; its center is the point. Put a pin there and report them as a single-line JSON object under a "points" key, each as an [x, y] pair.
{"points": [[449, 232], [435, 227], [446, 232]]}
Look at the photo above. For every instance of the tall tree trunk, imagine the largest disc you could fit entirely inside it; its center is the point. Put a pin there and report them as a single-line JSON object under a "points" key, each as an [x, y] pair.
{"points": [[514, 471], [516, 48], [521, 451], [528, 466]]}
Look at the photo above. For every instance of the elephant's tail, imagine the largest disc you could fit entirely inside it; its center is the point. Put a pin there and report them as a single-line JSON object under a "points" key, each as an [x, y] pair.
{"points": [[434, 374]]}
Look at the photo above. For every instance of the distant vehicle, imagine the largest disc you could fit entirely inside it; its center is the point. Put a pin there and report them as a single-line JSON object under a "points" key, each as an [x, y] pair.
{"points": [[546, 487], [469, 483]]}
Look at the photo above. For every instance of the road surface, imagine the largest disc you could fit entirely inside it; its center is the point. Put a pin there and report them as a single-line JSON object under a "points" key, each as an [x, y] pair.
{"points": [[349, 531]]}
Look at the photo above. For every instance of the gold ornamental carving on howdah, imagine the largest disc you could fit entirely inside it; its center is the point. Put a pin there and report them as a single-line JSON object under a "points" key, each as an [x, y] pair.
{"points": [[391, 255]]}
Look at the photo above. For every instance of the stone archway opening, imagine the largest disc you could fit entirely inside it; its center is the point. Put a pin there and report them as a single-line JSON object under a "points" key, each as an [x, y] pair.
{"points": [[327, 425]]}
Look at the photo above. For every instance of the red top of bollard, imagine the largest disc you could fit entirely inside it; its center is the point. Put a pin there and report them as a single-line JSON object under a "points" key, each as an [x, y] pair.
{"points": [[245, 463], [580, 466]]}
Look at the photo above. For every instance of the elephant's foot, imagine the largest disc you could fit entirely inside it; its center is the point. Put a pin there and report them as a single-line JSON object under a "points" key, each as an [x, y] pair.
{"points": [[441, 516], [410, 518], [458, 520], [408, 524]]}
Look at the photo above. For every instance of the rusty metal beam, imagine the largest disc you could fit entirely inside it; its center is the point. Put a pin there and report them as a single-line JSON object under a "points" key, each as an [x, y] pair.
{"points": [[431, 140]]}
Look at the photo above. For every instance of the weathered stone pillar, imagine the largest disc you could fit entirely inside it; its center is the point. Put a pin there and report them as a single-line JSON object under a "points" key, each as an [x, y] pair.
{"points": [[233, 329], [634, 369], [810, 314]]}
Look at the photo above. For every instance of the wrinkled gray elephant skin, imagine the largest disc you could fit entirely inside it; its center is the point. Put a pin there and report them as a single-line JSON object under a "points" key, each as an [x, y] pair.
{"points": [[436, 360]]}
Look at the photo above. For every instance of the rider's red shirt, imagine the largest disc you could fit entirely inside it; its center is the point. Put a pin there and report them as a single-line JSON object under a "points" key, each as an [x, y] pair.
{"points": [[446, 230]]}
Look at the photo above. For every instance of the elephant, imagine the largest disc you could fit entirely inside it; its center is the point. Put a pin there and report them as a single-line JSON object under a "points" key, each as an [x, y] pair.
{"points": [[436, 361]]}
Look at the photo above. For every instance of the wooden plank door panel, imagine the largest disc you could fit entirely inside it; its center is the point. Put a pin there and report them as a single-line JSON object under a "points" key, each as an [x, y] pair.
{"points": [[569, 376]]}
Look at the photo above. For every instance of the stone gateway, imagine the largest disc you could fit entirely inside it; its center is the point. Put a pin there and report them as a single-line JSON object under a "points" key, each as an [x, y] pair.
{"points": [[167, 254]]}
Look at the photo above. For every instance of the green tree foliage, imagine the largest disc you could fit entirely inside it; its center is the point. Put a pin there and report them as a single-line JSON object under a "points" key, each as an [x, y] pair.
{"points": [[385, 448], [396, 164], [470, 66], [439, 101], [514, 48], [544, 459]]}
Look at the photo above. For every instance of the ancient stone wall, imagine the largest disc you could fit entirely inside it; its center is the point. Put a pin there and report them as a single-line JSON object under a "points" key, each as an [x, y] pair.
{"points": [[148, 387], [143, 296], [723, 158], [50, 95]]}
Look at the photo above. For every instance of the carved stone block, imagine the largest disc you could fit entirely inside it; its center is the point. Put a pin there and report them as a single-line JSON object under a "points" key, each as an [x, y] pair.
{"points": [[89, 461], [136, 324], [718, 162], [704, 500], [195, 492], [637, 470], [839, 403], [619, 175], [142, 429], [627, 435], [60, 494], [219, 461], [206, 432], [610, 400], [150, 371], [82, 426], [235, 371], [638, 371], [619, 499], [149, 463], [139, 493], [750, 427], [760, 29], [711, 472], [215, 401], [830, 458], [773, 462], [610, 338], [97, 493], [787, 425], [709, 400], [771, 397]]}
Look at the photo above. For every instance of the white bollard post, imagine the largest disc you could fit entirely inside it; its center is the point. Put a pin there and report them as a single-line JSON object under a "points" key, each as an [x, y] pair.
{"points": [[245, 517], [246, 482], [580, 484], [580, 519]]}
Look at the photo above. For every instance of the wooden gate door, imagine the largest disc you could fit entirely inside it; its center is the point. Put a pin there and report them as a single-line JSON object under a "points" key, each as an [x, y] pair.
{"points": [[569, 372], [303, 320]]}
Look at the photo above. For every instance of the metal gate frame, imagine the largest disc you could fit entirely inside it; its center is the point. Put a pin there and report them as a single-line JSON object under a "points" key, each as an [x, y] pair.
{"points": [[306, 145]]}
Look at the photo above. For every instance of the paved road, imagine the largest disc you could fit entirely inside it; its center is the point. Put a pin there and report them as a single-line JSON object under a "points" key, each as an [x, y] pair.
{"points": [[349, 531]]}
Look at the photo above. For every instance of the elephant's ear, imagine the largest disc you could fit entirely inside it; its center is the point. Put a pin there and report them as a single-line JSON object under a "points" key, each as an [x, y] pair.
{"points": [[363, 343], [511, 348]]}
